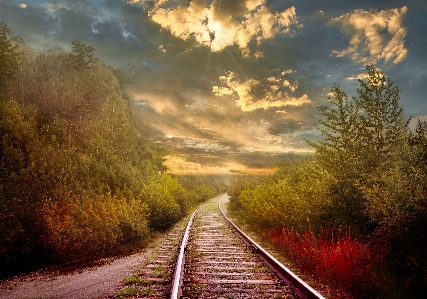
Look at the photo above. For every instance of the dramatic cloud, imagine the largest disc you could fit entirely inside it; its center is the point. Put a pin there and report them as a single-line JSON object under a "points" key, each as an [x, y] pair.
{"points": [[218, 24], [273, 92], [374, 35], [223, 78]]}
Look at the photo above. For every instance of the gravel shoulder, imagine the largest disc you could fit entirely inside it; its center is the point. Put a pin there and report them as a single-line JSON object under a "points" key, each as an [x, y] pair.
{"points": [[92, 282]]}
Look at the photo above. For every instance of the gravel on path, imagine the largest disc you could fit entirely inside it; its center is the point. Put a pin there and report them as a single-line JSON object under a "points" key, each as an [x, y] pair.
{"points": [[93, 282]]}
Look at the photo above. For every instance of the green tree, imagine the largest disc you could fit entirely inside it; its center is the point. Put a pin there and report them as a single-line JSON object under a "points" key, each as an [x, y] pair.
{"points": [[72, 165], [82, 56], [9, 56], [417, 164], [63, 83], [363, 138], [338, 150], [382, 128]]}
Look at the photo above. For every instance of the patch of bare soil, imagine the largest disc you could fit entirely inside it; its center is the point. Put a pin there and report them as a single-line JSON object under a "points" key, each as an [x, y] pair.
{"points": [[100, 281]]}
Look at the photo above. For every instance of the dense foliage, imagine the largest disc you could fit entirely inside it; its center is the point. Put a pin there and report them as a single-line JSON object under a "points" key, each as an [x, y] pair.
{"points": [[359, 205], [78, 181]]}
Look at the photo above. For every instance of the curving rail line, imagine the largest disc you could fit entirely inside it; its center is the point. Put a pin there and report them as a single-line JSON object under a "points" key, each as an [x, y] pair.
{"points": [[293, 282]]}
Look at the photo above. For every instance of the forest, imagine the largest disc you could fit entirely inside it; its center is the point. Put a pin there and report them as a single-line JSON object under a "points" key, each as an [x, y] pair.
{"points": [[354, 214], [78, 180]]}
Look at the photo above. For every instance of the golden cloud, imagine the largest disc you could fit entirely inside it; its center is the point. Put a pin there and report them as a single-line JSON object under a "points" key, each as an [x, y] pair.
{"points": [[208, 23], [273, 95], [374, 35]]}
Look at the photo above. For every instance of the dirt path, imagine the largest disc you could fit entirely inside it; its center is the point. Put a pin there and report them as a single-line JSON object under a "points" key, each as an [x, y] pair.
{"points": [[93, 282]]}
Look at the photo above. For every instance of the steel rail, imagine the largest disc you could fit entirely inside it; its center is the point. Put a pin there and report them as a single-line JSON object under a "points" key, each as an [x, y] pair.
{"points": [[301, 287], [179, 268]]}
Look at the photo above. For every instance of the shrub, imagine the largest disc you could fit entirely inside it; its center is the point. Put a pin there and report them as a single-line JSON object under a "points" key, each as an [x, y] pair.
{"points": [[85, 228], [336, 259], [165, 199]]}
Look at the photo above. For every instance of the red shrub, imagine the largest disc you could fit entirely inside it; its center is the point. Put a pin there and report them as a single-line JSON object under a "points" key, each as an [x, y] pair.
{"points": [[340, 261]]}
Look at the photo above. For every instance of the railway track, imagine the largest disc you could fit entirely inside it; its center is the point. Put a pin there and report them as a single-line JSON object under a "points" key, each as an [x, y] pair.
{"points": [[217, 260]]}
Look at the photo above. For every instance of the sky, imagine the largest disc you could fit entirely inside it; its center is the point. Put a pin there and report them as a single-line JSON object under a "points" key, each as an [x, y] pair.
{"points": [[232, 81]]}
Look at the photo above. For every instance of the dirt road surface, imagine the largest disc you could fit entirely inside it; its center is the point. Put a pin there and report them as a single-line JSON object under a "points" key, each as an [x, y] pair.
{"points": [[94, 282]]}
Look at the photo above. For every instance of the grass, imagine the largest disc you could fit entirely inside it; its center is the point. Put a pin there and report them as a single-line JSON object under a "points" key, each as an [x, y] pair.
{"points": [[136, 280], [132, 291], [160, 272], [146, 292], [127, 291], [131, 280]]}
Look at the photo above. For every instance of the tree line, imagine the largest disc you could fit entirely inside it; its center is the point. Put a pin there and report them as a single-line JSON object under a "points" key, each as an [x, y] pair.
{"points": [[366, 184], [78, 180]]}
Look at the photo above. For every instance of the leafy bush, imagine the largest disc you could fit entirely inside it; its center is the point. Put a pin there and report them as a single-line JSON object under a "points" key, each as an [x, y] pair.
{"points": [[241, 183], [165, 199], [295, 196], [93, 227]]}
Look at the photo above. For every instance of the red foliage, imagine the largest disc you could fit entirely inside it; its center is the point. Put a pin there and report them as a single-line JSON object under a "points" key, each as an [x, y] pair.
{"points": [[339, 260]]}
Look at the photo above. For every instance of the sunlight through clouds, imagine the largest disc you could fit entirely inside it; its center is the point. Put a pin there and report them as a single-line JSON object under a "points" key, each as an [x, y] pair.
{"points": [[205, 75], [274, 92], [374, 35], [218, 24]]}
